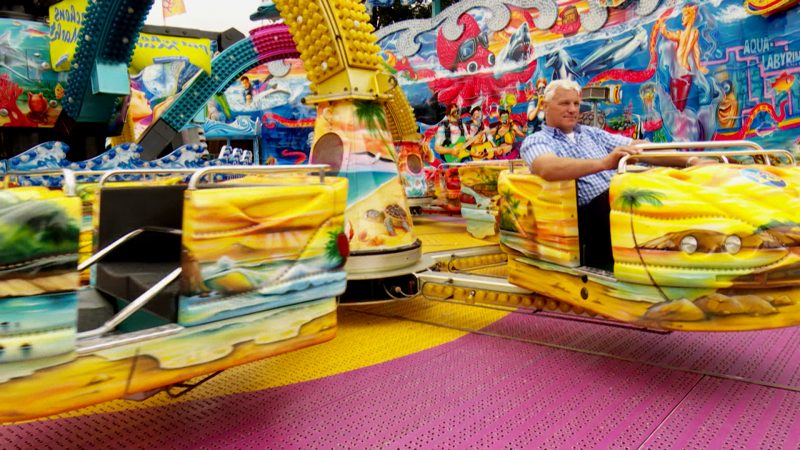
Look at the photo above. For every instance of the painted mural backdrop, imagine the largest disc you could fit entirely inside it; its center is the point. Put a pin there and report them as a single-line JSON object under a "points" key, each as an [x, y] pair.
{"points": [[274, 99], [30, 91], [153, 89], [667, 70]]}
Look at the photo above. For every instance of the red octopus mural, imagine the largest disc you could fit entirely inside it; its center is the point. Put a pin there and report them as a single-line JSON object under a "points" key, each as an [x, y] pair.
{"points": [[470, 53]]}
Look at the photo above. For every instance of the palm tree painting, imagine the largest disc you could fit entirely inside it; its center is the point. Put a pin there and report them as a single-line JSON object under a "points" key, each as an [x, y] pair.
{"points": [[373, 117], [631, 199], [508, 216]]}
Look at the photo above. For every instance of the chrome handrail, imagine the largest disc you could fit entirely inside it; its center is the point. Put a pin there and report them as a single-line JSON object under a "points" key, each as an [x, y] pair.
{"points": [[494, 162], [132, 307], [448, 165], [696, 145], [117, 172], [245, 170], [70, 186], [623, 162]]}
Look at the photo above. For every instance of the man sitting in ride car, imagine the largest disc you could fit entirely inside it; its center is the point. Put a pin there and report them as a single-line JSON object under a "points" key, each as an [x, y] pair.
{"points": [[566, 150]]}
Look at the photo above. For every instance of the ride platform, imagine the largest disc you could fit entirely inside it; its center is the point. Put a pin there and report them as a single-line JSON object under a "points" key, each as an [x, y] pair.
{"points": [[421, 373]]}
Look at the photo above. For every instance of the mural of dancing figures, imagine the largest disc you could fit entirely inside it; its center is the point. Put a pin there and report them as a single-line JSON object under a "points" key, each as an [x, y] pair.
{"points": [[670, 70]]}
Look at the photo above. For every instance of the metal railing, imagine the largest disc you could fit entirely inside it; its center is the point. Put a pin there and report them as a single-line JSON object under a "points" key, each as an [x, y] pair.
{"points": [[200, 174], [110, 174], [70, 184], [670, 150]]}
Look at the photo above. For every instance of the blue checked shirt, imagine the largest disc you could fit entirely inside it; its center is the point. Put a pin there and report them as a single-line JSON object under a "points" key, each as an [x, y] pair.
{"points": [[590, 143]]}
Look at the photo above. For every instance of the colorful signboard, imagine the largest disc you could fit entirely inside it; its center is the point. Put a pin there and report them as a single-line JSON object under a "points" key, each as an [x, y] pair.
{"points": [[66, 17], [65, 22]]}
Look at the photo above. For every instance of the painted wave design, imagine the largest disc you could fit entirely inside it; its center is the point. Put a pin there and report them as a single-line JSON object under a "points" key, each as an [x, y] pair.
{"points": [[214, 341], [47, 155], [123, 156], [198, 310], [243, 126], [186, 156], [22, 315]]}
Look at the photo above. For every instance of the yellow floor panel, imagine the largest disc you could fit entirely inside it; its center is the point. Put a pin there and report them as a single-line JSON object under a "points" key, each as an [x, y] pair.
{"points": [[363, 339], [444, 233]]}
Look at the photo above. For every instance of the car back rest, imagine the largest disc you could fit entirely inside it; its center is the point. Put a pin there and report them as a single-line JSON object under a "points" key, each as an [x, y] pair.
{"points": [[539, 219], [138, 264], [125, 209]]}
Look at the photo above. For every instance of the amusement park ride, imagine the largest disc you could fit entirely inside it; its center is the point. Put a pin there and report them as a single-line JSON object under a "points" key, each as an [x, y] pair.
{"points": [[136, 270]]}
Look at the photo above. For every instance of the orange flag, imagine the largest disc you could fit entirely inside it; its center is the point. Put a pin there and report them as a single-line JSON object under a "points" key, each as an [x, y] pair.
{"points": [[173, 7]]}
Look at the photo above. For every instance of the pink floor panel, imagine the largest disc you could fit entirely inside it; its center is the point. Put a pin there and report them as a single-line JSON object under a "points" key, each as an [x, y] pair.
{"points": [[640, 390]]}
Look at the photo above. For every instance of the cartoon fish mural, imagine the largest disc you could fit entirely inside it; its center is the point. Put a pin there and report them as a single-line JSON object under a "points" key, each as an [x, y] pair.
{"points": [[615, 52], [58, 91], [518, 48], [783, 83], [563, 65], [37, 106], [30, 31]]}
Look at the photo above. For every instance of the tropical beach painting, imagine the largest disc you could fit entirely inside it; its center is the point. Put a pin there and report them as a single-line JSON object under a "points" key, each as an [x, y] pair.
{"points": [[248, 249], [709, 248], [353, 138]]}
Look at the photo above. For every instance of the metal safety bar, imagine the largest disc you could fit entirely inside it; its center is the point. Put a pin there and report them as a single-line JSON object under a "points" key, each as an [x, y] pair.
{"points": [[132, 307], [623, 162], [118, 172], [125, 238], [496, 163], [446, 255], [70, 183], [698, 145], [451, 165], [257, 170]]}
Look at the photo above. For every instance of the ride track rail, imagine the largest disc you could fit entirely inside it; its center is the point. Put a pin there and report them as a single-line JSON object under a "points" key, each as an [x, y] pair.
{"points": [[265, 44], [275, 42], [108, 34]]}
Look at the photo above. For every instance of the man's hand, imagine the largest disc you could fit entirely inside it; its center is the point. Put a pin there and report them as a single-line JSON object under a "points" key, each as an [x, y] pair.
{"points": [[611, 161], [695, 161]]}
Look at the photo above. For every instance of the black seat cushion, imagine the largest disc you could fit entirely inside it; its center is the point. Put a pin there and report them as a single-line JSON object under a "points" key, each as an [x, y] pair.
{"points": [[94, 309], [135, 266], [128, 280]]}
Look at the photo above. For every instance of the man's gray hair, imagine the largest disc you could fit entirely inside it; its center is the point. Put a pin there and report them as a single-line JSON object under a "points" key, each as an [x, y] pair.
{"points": [[550, 90]]}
